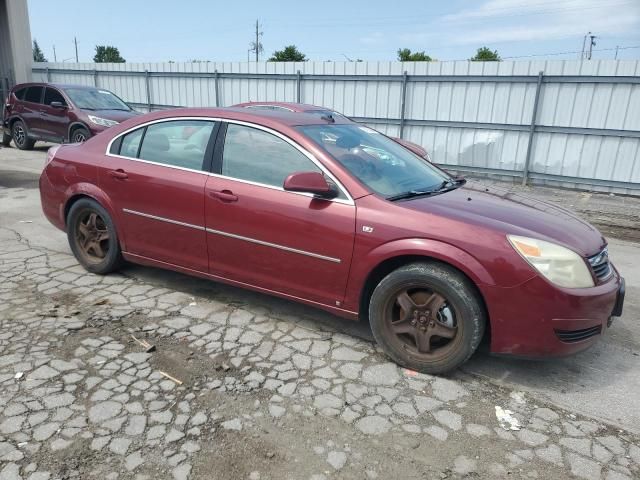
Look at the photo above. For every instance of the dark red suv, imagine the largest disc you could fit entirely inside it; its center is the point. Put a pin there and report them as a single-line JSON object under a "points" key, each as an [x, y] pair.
{"points": [[59, 113]]}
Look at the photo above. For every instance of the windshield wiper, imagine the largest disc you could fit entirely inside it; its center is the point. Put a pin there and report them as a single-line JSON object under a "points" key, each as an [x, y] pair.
{"points": [[445, 186]]}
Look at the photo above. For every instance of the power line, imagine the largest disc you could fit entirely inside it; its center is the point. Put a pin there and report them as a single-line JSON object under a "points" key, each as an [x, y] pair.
{"points": [[570, 53]]}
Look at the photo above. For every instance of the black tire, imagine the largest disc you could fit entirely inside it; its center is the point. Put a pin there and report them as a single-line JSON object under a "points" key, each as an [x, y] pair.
{"points": [[82, 244], [6, 139], [465, 317], [79, 135], [20, 136]]}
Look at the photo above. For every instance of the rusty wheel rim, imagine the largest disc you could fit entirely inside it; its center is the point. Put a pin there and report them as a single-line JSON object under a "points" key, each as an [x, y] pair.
{"points": [[422, 322], [92, 237]]}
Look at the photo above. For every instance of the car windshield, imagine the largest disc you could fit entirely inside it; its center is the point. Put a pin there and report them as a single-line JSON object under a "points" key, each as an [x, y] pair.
{"points": [[95, 99], [381, 164]]}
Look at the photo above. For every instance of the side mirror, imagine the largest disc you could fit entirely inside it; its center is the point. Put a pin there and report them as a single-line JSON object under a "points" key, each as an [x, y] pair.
{"points": [[57, 105], [310, 182]]}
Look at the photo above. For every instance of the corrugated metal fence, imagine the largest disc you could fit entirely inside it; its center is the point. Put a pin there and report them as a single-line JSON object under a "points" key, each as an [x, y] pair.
{"points": [[568, 123]]}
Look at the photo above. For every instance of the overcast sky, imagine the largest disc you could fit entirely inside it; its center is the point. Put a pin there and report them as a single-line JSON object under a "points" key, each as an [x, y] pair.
{"points": [[162, 30]]}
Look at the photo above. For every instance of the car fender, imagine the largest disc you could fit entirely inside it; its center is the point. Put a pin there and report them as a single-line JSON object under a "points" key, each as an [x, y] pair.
{"points": [[364, 265], [438, 250], [16, 116], [96, 193]]}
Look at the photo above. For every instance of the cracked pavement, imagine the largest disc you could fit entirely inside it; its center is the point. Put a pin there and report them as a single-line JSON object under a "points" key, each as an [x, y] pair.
{"points": [[241, 385]]}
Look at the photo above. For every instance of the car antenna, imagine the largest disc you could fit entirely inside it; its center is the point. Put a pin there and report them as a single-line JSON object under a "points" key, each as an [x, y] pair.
{"points": [[329, 118]]}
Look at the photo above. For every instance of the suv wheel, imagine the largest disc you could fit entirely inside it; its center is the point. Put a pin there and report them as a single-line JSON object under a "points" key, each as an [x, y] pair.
{"points": [[427, 317], [93, 238], [79, 135], [20, 137]]}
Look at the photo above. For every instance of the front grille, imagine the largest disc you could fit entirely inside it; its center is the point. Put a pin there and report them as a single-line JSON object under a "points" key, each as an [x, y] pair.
{"points": [[600, 264], [572, 336]]}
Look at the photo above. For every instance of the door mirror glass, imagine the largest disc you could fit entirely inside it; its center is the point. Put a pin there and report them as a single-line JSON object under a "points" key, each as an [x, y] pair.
{"points": [[310, 182]]}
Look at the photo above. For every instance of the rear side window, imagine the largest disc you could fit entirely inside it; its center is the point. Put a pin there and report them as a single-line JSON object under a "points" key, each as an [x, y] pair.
{"points": [[34, 94], [180, 143], [52, 95], [19, 94], [131, 143]]}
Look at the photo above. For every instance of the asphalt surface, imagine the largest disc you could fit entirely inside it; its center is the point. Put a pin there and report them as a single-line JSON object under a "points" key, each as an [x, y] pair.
{"points": [[294, 392]]}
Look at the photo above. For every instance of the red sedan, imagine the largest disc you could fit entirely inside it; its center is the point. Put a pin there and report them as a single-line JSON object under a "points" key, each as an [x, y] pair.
{"points": [[333, 214]]}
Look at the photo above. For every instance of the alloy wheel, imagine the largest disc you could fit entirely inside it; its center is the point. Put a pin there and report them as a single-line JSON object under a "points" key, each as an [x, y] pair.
{"points": [[19, 135], [422, 322], [79, 137], [92, 237]]}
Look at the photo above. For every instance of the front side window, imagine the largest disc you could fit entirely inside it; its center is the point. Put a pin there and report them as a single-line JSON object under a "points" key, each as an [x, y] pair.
{"points": [[179, 143], [34, 94], [95, 99], [257, 156], [378, 162], [52, 95]]}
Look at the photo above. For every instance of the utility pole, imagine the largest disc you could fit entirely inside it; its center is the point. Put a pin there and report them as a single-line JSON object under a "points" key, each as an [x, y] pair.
{"points": [[592, 44], [257, 40], [55, 59], [76, 44], [584, 44], [616, 56]]}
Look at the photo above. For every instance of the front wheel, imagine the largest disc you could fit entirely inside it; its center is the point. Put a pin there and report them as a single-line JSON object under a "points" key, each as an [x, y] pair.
{"points": [[427, 317], [93, 238], [79, 135]]}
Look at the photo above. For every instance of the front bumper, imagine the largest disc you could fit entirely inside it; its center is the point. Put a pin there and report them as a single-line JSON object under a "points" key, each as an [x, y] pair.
{"points": [[537, 319]]}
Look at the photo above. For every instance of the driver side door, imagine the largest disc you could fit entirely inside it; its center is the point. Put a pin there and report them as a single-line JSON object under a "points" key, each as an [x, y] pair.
{"points": [[259, 234]]}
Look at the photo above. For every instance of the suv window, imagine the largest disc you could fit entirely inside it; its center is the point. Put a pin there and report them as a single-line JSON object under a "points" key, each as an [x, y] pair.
{"points": [[34, 94], [180, 143], [52, 95], [20, 93], [258, 156]]}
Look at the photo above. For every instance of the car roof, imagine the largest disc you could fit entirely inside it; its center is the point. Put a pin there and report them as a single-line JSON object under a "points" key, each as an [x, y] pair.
{"points": [[50, 84], [294, 107], [273, 118]]}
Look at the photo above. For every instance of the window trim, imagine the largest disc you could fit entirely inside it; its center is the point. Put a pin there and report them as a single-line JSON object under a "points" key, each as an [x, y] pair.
{"points": [[223, 123]]}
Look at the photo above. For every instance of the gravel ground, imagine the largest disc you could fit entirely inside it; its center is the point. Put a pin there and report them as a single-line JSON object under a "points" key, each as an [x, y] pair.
{"points": [[243, 386]]}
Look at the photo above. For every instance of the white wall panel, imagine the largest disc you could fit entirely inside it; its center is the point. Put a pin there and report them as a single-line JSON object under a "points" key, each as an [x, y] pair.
{"points": [[602, 105]]}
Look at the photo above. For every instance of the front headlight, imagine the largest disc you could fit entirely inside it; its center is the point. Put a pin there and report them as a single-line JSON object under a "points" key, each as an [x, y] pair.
{"points": [[559, 265], [102, 121]]}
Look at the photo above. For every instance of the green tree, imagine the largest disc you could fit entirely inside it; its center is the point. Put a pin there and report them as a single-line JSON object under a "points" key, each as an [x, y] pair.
{"points": [[38, 56], [406, 55], [290, 53], [107, 54], [484, 54]]}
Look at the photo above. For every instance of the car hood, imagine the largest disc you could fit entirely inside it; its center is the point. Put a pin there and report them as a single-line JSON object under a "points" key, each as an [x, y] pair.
{"points": [[116, 115], [513, 213]]}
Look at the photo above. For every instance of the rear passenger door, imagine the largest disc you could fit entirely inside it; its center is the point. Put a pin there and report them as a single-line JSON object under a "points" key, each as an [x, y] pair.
{"points": [[29, 110], [155, 179]]}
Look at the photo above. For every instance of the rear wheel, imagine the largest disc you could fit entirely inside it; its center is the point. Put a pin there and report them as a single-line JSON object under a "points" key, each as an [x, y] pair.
{"points": [[427, 317], [20, 137], [79, 135], [93, 238]]}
